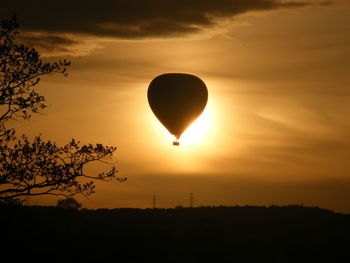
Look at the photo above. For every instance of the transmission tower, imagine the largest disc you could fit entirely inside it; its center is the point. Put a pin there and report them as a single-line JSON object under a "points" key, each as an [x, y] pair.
{"points": [[191, 200]]}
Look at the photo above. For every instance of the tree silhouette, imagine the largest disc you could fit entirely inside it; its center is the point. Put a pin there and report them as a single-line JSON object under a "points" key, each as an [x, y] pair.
{"points": [[69, 203], [37, 167]]}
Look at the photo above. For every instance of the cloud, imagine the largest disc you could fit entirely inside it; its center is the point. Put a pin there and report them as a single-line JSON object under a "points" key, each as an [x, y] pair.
{"points": [[58, 45], [49, 43], [132, 19]]}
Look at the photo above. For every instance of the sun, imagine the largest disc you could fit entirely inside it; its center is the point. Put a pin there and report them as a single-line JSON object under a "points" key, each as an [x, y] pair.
{"points": [[197, 130], [196, 133]]}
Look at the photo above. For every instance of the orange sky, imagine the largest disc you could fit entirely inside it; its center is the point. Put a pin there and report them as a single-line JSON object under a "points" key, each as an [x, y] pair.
{"points": [[277, 126]]}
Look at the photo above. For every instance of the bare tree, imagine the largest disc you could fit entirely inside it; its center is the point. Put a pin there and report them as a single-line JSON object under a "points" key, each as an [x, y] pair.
{"points": [[37, 167]]}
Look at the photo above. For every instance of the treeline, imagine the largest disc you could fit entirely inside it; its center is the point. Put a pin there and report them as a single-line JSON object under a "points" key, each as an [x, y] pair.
{"points": [[203, 234]]}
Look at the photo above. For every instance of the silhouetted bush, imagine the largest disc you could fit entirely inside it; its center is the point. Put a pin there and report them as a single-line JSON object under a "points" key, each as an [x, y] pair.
{"points": [[69, 203]]}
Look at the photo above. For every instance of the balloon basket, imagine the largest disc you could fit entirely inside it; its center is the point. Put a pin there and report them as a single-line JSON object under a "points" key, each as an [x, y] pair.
{"points": [[176, 143]]}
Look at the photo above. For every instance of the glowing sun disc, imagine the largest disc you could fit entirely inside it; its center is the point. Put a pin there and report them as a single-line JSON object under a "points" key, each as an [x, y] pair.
{"points": [[197, 130]]}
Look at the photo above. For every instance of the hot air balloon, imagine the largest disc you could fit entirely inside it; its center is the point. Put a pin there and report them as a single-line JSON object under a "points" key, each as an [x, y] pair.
{"points": [[177, 99]]}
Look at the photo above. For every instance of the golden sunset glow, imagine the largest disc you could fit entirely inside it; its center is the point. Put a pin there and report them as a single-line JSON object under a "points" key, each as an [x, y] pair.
{"points": [[276, 126], [196, 132]]}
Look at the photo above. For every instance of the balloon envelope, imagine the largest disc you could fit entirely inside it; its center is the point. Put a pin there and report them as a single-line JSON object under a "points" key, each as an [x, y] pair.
{"points": [[177, 99]]}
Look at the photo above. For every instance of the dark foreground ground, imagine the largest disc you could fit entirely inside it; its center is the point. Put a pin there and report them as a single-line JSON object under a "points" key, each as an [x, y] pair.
{"points": [[207, 234]]}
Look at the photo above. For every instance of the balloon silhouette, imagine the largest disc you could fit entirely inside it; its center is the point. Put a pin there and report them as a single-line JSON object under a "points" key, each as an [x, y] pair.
{"points": [[177, 99]]}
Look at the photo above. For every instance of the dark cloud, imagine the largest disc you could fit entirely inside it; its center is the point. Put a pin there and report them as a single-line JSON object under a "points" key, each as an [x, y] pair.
{"points": [[53, 45], [132, 19], [48, 43]]}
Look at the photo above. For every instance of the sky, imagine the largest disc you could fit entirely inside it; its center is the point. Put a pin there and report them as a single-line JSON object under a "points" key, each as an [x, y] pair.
{"points": [[276, 129]]}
